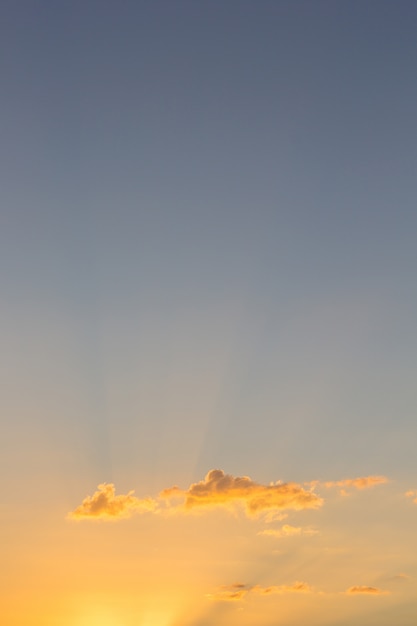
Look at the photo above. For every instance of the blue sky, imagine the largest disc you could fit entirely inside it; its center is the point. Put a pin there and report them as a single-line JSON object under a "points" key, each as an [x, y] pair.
{"points": [[208, 241]]}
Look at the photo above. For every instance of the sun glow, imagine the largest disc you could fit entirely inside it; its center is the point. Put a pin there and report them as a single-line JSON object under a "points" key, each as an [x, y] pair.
{"points": [[97, 616], [157, 618], [101, 613]]}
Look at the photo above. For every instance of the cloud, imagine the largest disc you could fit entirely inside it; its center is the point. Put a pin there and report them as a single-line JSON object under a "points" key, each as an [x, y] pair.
{"points": [[401, 577], [104, 504], [288, 531], [220, 489], [363, 482], [238, 591], [274, 516], [297, 587], [364, 590], [230, 593], [411, 494], [217, 489]]}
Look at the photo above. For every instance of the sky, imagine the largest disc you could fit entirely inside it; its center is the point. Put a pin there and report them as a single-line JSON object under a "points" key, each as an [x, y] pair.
{"points": [[208, 348]]}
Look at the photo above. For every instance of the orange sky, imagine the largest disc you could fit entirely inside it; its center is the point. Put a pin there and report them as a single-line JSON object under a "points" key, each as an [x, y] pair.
{"points": [[208, 313]]}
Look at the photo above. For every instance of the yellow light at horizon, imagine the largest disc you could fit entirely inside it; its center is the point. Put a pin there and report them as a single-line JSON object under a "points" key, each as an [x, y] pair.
{"points": [[157, 618], [99, 617], [104, 615]]}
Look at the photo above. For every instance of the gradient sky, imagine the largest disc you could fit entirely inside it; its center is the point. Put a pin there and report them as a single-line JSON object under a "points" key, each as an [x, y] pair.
{"points": [[208, 253]]}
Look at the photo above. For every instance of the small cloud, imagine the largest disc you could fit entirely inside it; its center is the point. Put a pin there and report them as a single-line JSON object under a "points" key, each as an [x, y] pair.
{"points": [[104, 504], [230, 593], [220, 489], [312, 484], [238, 591], [411, 494], [399, 578], [274, 516], [287, 531], [364, 590], [363, 482], [171, 493], [297, 587]]}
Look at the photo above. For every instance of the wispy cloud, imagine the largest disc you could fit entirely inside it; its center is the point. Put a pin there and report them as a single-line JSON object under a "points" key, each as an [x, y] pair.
{"points": [[412, 494], [230, 593], [274, 516], [104, 504], [288, 531], [362, 482], [397, 579], [238, 591], [364, 590], [220, 489], [401, 577], [296, 587]]}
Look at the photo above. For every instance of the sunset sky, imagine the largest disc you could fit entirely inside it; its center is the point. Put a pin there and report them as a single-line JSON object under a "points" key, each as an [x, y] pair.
{"points": [[208, 243]]}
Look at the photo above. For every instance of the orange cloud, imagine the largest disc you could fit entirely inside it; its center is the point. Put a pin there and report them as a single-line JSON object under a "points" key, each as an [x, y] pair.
{"points": [[220, 489], [104, 504], [238, 591], [364, 590], [217, 489], [412, 494], [274, 516], [297, 587], [364, 482], [230, 593], [287, 531], [400, 578]]}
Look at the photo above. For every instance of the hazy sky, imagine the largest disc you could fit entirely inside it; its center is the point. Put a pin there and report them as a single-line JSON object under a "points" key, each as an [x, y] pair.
{"points": [[208, 252]]}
